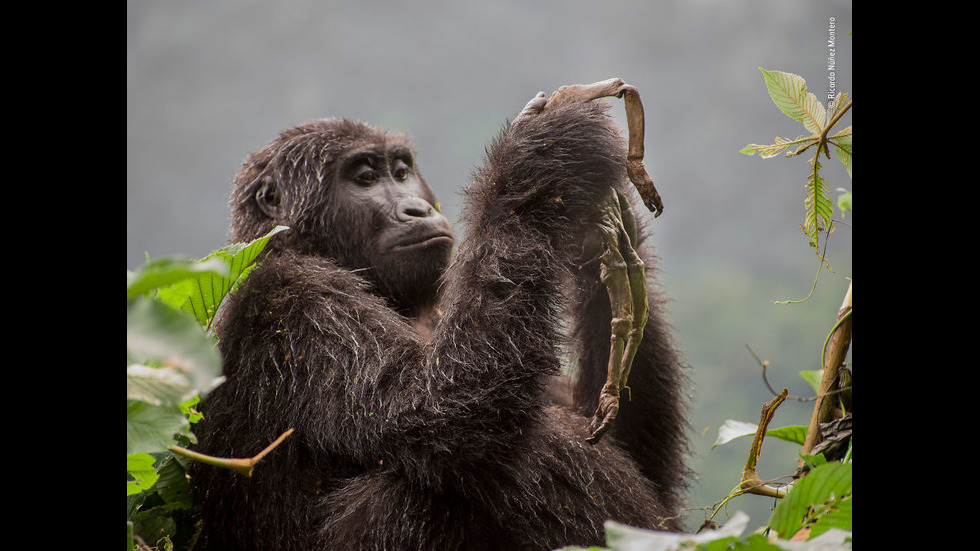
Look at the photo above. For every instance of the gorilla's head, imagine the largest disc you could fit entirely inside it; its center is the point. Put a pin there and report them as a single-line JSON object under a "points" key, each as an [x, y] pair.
{"points": [[353, 193]]}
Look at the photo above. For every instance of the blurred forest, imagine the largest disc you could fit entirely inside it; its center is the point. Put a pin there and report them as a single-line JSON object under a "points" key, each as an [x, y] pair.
{"points": [[209, 82]]}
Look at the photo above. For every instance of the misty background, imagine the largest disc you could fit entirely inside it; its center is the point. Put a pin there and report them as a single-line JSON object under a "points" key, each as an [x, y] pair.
{"points": [[210, 81]]}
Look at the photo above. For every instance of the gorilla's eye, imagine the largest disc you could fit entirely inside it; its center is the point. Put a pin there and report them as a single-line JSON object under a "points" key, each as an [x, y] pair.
{"points": [[366, 176], [401, 173]]}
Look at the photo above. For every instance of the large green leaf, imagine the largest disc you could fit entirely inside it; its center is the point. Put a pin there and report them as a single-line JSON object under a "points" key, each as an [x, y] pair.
{"points": [[151, 429], [821, 490], [165, 271], [788, 92], [201, 295], [159, 335]]}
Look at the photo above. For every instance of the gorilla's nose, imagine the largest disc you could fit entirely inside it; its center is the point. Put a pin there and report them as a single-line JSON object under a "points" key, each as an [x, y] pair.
{"points": [[413, 207]]}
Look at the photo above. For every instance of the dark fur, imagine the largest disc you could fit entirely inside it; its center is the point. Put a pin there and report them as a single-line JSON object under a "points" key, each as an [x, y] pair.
{"points": [[450, 443]]}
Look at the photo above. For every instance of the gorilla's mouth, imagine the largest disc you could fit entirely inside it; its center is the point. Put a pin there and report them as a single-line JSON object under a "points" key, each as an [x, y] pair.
{"points": [[424, 242]]}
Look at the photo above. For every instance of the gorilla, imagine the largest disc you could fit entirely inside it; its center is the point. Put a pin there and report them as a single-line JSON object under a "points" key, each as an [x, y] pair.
{"points": [[426, 388]]}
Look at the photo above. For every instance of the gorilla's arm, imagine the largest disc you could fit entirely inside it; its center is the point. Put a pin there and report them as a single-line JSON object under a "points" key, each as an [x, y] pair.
{"points": [[352, 377], [525, 212]]}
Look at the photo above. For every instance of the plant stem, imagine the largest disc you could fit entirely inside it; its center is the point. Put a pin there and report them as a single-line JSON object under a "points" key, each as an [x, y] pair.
{"points": [[835, 351], [822, 142], [751, 483], [241, 466]]}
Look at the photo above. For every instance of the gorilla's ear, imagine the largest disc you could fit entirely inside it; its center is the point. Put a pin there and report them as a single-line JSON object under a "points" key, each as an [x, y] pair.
{"points": [[267, 197]]}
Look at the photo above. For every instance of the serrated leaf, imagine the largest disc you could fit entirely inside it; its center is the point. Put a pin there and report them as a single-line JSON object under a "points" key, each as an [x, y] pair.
{"points": [[817, 204], [158, 385], [842, 140], [788, 92], [202, 295], [151, 429], [187, 408], [839, 102], [769, 151], [165, 271], [828, 483], [157, 334], [140, 467]]}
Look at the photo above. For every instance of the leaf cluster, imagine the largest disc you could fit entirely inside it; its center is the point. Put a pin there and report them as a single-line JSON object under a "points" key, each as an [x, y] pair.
{"points": [[819, 501], [172, 361], [788, 91]]}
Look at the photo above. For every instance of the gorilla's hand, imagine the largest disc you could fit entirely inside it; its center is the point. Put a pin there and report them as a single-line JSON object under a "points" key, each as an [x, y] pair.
{"points": [[613, 87], [532, 109]]}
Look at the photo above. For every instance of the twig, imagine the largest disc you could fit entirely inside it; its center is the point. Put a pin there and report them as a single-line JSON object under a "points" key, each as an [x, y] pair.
{"points": [[241, 466], [751, 483], [765, 364]]}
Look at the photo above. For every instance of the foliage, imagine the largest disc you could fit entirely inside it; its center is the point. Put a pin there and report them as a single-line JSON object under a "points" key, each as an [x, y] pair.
{"points": [[788, 91], [171, 361], [817, 507]]}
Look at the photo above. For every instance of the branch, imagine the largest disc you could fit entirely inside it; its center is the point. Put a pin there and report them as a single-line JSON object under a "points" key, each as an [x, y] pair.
{"points": [[835, 349], [751, 483], [241, 466], [822, 142]]}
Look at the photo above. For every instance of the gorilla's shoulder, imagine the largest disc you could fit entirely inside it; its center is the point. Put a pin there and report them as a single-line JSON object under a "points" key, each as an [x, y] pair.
{"points": [[304, 273]]}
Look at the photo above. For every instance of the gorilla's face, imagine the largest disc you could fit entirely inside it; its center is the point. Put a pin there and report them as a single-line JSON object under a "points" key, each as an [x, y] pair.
{"points": [[402, 240], [350, 192]]}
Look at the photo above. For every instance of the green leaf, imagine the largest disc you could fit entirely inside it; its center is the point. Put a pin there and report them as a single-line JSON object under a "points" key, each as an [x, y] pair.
{"points": [[158, 385], [813, 377], [768, 151], [173, 486], [151, 429], [844, 201], [813, 461], [788, 92], [821, 490], [140, 467], [838, 517], [157, 334], [202, 295], [620, 537], [187, 409], [731, 429], [793, 433], [839, 102], [165, 271], [818, 206], [842, 140], [754, 542]]}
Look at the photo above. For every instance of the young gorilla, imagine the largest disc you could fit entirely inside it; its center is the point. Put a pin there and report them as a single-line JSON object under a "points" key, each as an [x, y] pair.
{"points": [[425, 421]]}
